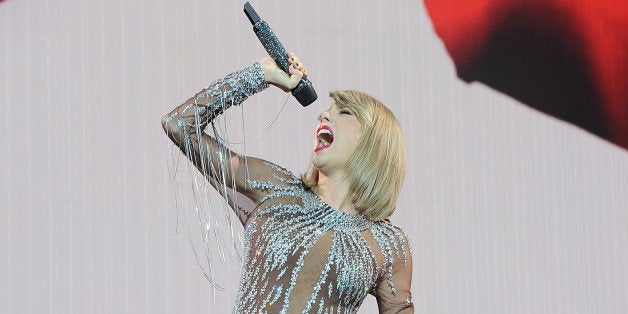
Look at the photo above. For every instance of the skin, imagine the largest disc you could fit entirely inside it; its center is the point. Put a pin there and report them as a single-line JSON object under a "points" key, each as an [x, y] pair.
{"points": [[331, 162], [332, 187]]}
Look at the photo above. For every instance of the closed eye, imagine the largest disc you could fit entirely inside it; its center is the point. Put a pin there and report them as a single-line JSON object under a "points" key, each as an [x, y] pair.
{"points": [[345, 111]]}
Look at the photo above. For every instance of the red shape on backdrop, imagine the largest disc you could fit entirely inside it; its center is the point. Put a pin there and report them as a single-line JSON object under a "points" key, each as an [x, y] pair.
{"points": [[567, 58]]}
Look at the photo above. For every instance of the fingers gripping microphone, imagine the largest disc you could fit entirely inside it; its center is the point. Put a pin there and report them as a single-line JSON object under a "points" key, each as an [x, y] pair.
{"points": [[304, 91]]}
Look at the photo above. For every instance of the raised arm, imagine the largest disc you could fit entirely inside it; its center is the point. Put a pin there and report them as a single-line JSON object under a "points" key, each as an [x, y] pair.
{"points": [[185, 124]]}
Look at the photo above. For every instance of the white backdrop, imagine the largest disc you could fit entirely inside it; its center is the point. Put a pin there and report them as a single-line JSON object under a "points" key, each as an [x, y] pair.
{"points": [[508, 210]]}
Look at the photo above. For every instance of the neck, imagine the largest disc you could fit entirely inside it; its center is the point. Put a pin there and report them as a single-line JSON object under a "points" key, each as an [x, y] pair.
{"points": [[334, 190]]}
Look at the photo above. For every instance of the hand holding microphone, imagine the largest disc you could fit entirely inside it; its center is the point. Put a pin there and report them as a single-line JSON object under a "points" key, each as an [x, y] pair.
{"points": [[303, 91], [276, 76]]}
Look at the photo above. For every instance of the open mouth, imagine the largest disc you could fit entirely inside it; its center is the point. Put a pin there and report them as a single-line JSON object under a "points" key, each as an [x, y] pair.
{"points": [[325, 137]]}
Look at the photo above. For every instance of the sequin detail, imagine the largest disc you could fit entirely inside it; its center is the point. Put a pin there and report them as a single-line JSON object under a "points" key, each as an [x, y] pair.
{"points": [[299, 253], [291, 220], [231, 90], [186, 123], [277, 51], [185, 126]]}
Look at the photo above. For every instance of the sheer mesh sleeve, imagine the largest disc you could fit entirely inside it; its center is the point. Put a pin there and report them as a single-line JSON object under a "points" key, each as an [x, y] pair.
{"points": [[395, 296], [224, 168]]}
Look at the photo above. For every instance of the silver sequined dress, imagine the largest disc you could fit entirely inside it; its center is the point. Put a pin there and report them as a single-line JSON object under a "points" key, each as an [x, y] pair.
{"points": [[301, 255]]}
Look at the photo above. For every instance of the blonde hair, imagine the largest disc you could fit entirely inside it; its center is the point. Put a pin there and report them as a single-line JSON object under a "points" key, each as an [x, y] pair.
{"points": [[376, 167]]}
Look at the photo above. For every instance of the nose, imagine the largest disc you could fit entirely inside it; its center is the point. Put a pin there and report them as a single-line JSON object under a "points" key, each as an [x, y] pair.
{"points": [[324, 116]]}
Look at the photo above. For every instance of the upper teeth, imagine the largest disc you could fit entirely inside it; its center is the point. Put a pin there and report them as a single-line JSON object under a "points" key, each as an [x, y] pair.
{"points": [[322, 131]]}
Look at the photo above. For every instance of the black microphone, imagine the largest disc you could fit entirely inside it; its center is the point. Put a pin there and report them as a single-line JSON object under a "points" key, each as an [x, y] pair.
{"points": [[304, 91]]}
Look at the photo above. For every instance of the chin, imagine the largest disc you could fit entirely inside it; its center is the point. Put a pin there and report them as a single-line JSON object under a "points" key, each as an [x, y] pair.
{"points": [[318, 162]]}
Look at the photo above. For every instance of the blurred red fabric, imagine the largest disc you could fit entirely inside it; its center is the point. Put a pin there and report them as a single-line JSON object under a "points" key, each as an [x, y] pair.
{"points": [[594, 33]]}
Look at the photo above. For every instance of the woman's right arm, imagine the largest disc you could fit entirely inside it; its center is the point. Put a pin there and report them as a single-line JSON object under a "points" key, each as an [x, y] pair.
{"points": [[186, 123]]}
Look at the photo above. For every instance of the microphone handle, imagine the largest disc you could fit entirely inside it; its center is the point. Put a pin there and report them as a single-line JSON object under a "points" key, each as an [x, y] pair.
{"points": [[304, 91]]}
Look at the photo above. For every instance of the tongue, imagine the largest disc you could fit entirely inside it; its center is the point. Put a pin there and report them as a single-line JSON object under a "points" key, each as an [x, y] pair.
{"points": [[322, 142]]}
